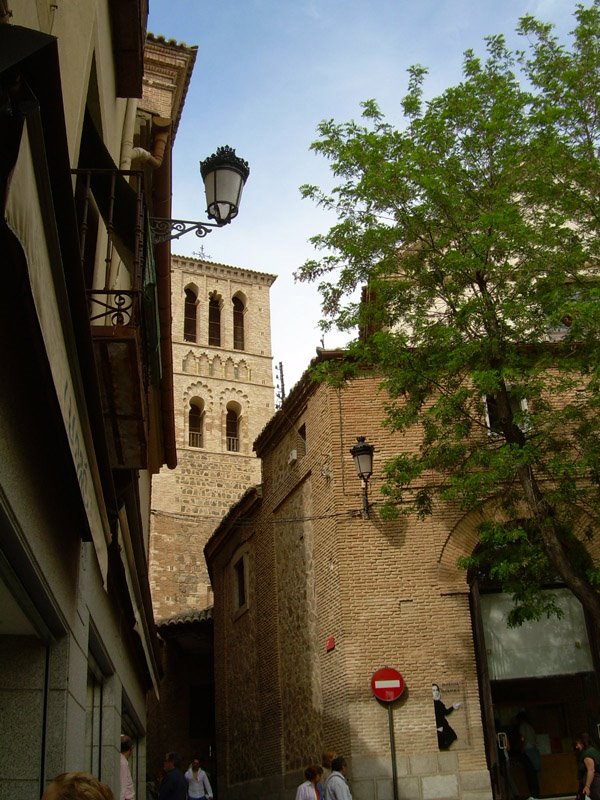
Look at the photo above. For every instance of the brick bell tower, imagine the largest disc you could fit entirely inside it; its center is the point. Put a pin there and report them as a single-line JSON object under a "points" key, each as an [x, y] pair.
{"points": [[223, 397]]}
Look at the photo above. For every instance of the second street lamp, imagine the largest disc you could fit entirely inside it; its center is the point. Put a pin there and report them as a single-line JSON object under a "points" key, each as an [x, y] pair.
{"points": [[224, 175], [362, 453]]}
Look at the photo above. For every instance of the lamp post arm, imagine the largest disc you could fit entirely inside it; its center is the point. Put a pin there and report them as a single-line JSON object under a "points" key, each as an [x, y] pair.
{"points": [[165, 230]]}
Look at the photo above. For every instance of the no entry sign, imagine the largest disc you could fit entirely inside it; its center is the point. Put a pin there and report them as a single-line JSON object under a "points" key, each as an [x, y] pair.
{"points": [[387, 684]]}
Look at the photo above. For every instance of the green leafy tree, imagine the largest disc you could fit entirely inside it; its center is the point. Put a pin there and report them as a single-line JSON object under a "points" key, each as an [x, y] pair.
{"points": [[475, 229]]}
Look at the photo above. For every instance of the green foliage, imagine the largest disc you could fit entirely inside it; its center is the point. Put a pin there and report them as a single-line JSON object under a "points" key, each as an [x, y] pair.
{"points": [[475, 229]]}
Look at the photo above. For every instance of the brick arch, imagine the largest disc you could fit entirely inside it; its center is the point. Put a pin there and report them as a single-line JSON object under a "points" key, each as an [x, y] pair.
{"points": [[231, 396], [198, 389], [463, 538]]}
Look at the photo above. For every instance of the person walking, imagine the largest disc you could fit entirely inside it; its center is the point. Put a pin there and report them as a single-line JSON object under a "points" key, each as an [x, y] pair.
{"points": [[174, 785], [198, 785], [309, 790], [337, 787], [532, 759], [588, 768], [127, 785]]}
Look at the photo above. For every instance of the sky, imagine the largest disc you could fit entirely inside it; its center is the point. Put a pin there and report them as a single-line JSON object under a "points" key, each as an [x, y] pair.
{"points": [[267, 72]]}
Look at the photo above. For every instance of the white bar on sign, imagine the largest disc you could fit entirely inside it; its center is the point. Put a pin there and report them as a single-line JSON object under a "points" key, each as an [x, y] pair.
{"points": [[387, 684]]}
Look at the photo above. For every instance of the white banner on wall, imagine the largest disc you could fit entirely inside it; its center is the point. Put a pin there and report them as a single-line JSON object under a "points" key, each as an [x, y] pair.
{"points": [[536, 649]]}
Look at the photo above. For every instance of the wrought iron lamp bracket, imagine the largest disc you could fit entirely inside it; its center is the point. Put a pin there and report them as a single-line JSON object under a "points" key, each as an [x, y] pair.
{"points": [[165, 230]]}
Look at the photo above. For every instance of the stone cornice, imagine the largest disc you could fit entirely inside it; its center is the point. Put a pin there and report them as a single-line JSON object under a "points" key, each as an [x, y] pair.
{"points": [[217, 270]]}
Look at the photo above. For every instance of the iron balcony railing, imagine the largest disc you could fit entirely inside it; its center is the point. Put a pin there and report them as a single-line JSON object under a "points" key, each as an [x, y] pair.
{"points": [[112, 200], [195, 439], [233, 444]]}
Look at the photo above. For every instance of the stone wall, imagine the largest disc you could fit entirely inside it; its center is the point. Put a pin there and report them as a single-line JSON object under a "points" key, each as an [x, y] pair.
{"points": [[190, 501]]}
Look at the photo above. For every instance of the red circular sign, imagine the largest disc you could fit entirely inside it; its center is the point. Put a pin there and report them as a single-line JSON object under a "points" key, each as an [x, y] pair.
{"points": [[387, 684]]}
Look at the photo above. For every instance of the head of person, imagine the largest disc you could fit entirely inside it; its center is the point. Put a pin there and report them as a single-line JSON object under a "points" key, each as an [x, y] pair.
{"points": [[435, 691], [338, 764], [313, 773], [522, 716], [327, 758], [77, 786], [195, 764], [582, 741], [172, 761], [126, 745]]}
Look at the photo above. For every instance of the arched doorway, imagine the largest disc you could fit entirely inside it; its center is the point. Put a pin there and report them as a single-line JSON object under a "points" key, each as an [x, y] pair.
{"points": [[543, 670]]}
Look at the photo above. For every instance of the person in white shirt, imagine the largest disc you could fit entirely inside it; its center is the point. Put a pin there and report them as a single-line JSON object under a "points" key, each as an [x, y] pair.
{"points": [[127, 786], [309, 790], [198, 783], [337, 787]]}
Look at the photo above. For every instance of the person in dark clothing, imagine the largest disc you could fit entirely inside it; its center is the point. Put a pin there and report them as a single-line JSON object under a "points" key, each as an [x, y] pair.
{"points": [[532, 759], [174, 785], [445, 733], [588, 768]]}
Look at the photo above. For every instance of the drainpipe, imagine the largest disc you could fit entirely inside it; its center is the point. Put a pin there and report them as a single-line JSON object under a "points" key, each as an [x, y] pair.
{"points": [[160, 160], [161, 129], [128, 133]]}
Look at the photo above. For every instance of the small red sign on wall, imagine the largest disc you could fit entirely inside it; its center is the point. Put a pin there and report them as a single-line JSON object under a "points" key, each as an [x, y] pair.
{"points": [[330, 644]]}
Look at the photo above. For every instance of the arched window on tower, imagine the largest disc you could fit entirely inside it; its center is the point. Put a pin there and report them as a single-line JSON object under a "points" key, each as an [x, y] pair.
{"points": [[214, 321], [196, 423], [232, 427], [238, 323], [189, 315]]}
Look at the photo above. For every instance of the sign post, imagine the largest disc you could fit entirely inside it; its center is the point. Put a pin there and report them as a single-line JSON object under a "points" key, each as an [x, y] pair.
{"points": [[387, 684]]}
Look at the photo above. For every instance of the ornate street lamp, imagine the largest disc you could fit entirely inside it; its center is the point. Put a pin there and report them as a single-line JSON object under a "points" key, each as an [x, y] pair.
{"points": [[224, 175], [362, 453]]}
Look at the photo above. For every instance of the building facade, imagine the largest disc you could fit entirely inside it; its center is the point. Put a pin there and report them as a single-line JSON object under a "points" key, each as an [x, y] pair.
{"points": [[312, 598], [223, 389], [86, 413], [224, 396]]}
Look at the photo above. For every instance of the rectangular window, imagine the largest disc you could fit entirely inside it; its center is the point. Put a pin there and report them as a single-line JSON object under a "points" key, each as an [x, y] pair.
{"points": [[239, 571], [301, 445], [492, 415]]}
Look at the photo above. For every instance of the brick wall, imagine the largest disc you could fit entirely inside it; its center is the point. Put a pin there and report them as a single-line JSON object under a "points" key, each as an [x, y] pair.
{"points": [[377, 589]]}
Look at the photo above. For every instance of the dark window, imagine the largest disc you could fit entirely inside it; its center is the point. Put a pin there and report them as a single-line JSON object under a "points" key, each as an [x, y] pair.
{"points": [[239, 572], [238, 324], [493, 415], [196, 420], [214, 322], [189, 317], [301, 441], [232, 431]]}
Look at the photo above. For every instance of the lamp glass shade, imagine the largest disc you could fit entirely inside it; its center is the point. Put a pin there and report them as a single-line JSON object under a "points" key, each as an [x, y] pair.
{"points": [[362, 453], [224, 176]]}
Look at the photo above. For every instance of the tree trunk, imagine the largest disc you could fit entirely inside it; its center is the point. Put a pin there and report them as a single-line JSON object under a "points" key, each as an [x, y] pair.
{"points": [[543, 514]]}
